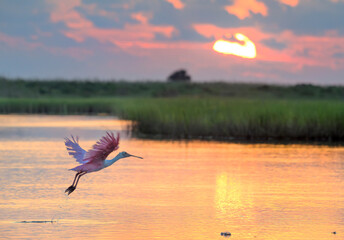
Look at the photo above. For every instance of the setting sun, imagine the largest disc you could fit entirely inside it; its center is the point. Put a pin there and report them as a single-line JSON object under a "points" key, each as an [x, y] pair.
{"points": [[246, 50]]}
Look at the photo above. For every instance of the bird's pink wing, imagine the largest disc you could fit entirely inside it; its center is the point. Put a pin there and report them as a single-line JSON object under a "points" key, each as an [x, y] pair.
{"points": [[74, 149], [102, 148]]}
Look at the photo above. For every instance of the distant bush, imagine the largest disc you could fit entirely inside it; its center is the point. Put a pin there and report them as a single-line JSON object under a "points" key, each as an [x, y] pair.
{"points": [[179, 76]]}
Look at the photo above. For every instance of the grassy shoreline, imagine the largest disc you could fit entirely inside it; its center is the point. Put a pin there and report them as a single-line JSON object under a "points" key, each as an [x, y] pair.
{"points": [[31, 88], [205, 117], [217, 110]]}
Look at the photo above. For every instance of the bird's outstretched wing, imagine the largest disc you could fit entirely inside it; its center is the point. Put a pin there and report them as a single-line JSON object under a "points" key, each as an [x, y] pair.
{"points": [[102, 148], [75, 150]]}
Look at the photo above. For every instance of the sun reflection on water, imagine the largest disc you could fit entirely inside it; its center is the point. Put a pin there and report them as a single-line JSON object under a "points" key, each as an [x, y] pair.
{"points": [[180, 190], [228, 194]]}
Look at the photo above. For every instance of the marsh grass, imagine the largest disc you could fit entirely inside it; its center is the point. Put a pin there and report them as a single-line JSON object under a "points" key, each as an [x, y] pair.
{"points": [[33, 88], [210, 117], [61, 106], [250, 119], [190, 110]]}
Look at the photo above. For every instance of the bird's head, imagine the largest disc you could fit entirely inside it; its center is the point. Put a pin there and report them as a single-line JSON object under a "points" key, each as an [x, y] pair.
{"points": [[125, 154]]}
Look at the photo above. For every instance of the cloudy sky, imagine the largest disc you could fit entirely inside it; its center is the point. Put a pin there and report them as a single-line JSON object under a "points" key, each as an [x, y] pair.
{"points": [[295, 41]]}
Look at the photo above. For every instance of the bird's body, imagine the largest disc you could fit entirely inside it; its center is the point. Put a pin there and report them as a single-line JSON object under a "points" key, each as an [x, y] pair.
{"points": [[94, 159], [97, 165]]}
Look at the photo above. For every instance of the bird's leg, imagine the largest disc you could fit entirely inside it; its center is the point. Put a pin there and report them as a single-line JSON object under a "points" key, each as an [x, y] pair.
{"points": [[76, 175], [79, 178], [71, 187]]}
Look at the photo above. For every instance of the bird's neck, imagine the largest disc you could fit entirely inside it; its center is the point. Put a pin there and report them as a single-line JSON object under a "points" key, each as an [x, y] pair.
{"points": [[112, 161]]}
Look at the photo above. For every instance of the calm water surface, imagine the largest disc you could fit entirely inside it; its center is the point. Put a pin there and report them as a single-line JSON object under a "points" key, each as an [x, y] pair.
{"points": [[180, 190]]}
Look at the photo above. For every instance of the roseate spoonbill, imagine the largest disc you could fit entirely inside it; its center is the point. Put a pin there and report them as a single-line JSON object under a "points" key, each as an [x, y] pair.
{"points": [[95, 159]]}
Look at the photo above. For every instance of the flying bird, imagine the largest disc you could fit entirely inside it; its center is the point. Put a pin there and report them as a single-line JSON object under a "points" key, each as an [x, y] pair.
{"points": [[94, 159]]}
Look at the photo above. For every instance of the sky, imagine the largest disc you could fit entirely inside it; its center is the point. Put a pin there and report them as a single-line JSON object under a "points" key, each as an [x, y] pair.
{"points": [[272, 41]]}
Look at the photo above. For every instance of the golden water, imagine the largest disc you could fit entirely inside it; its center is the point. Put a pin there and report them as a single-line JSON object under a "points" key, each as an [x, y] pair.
{"points": [[180, 190]]}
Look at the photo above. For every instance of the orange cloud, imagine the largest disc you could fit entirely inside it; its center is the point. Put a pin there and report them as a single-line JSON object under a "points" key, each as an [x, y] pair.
{"points": [[243, 8], [300, 51], [210, 30], [292, 3], [129, 33], [176, 4], [140, 17], [139, 39]]}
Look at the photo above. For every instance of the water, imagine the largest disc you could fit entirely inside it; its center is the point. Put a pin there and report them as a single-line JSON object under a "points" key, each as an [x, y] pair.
{"points": [[180, 190]]}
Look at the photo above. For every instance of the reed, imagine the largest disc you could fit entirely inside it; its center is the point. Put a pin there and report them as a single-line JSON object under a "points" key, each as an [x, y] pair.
{"points": [[251, 119], [210, 117], [61, 106]]}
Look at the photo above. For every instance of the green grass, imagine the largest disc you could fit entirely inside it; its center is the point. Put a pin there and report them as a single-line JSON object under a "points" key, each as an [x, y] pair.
{"points": [[18, 88], [190, 110], [248, 119], [205, 117], [61, 106]]}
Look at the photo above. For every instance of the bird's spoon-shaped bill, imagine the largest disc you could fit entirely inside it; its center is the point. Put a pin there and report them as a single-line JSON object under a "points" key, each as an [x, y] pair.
{"points": [[135, 156]]}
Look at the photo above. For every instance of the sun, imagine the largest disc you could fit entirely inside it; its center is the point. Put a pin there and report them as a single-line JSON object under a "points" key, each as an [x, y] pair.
{"points": [[245, 50]]}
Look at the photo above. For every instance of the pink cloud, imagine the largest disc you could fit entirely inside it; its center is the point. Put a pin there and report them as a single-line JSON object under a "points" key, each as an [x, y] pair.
{"points": [[300, 50], [17, 42], [139, 39], [292, 3], [80, 28], [130, 33], [210, 30], [140, 17], [176, 4], [64, 12], [243, 8]]}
